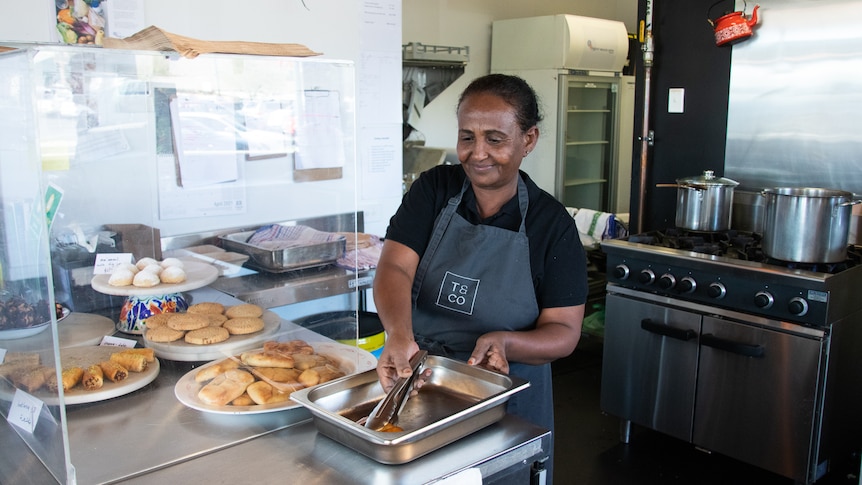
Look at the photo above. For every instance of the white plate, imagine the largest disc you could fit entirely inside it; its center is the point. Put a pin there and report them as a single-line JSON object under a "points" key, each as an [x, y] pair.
{"points": [[84, 357], [351, 360], [183, 351], [17, 333], [65, 314], [198, 275]]}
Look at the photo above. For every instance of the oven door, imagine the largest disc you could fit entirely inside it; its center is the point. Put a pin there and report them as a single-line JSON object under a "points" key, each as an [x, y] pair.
{"points": [[649, 365], [757, 395]]}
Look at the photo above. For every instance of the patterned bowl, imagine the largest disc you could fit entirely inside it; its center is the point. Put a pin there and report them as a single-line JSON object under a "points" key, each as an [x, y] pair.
{"points": [[136, 309]]}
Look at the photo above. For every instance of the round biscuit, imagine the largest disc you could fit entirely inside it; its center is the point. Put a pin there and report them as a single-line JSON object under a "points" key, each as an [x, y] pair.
{"points": [[188, 321], [243, 325], [214, 319], [206, 307], [158, 320], [244, 310], [164, 334], [207, 335]]}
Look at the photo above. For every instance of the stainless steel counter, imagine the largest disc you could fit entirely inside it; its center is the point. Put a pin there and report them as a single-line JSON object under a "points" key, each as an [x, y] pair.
{"points": [[149, 435]]}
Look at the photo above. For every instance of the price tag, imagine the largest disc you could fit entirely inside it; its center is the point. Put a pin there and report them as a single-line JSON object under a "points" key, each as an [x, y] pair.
{"points": [[106, 262], [110, 341], [25, 411]]}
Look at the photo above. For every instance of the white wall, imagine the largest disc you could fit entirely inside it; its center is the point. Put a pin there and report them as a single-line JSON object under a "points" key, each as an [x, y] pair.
{"points": [[468, 23]]}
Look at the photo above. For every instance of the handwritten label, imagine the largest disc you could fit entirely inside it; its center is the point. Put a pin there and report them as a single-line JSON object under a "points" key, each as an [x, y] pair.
{"points": [[2, 355], [109, 341], [106, 262], [25, 411]]}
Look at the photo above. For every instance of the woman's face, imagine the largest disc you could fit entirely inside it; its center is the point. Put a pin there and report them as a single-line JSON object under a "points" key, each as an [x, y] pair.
{"points": [[491, 145]]}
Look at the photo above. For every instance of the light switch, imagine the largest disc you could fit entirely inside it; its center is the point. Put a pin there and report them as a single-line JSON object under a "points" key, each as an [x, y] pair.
{"points": [[676, 100]]}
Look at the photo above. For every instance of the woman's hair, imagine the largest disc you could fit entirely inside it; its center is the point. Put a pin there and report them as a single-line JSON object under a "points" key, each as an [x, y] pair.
{"points": [[514, 91]]}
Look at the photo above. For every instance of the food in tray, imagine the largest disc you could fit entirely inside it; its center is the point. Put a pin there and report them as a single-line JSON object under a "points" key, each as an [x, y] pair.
{"points": [[16, 312], [205, 323], [275, 371], [148, 272], [26, 372]]}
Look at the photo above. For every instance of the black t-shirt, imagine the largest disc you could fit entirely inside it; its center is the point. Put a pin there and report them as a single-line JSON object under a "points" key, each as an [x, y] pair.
{"points": [[557, 258]]}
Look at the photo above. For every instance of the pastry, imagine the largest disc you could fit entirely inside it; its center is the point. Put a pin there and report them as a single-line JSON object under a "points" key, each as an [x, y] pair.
{"points": [[225, 387], [149, 354], [187, 321], [129, 266], [173, 274], [206, 307], [277, 374], [288, 347], [32, 378], [164, 334], [153, 268], [243, 325], [113, 371], [307, 361], [267, 359], [172, 262], [22, 358], [132, 362], [244, 310], [207, 335], [158, 320], [215, 319], [71, 377], [146, 279], [121, 277], [93, 378], [244, 400], [144, 262], [264, 393], [210, 372]]}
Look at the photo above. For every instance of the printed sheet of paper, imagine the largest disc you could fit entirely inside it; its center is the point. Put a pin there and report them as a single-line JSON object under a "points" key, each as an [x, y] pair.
{"points": [[319, 138], [205, 139]]}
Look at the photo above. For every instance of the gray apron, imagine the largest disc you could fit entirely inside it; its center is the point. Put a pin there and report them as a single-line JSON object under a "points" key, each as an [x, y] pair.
{"points": [[474, 279]]}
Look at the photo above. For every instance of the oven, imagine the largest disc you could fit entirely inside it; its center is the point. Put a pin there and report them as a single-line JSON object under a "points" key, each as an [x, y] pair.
{"points": [[717, 345]]}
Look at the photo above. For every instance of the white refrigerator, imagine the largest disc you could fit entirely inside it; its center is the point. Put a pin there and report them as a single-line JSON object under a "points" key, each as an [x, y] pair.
{"points": [[575, 65]]}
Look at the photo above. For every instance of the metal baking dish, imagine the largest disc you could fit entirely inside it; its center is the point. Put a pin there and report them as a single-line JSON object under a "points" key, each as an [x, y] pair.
{"points": [[457, 400], [287, 259]]}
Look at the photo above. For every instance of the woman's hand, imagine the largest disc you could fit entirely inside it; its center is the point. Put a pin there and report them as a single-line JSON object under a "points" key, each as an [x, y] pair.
{"points": [[394, 361], [490, 353]]}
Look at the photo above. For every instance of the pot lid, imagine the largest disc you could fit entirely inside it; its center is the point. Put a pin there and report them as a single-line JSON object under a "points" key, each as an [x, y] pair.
{"points": [[707, 179]]}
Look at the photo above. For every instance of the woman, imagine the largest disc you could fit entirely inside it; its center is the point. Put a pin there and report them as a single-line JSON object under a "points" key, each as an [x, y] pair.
{"points": [[479, 264]]}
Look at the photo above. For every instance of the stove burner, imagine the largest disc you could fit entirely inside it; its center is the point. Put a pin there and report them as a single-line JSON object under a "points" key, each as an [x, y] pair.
{"points": [[736, 245]]}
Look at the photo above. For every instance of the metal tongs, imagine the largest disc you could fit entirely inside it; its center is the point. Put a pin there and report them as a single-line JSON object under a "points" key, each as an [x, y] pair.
{"points": [[386, 411]]}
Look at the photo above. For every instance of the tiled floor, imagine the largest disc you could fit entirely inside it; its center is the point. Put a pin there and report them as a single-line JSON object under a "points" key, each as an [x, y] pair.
{"points": [[588, 450]]}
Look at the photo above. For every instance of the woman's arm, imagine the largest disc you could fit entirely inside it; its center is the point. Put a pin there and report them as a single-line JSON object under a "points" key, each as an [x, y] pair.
{"points": [[393, 284], [556, 335]]}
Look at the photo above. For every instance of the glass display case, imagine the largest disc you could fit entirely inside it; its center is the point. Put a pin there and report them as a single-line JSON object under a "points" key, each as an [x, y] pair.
{"points": [[110, 157]]}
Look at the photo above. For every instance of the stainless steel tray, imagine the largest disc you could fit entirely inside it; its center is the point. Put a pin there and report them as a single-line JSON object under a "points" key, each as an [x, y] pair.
{"points": [[456, 401], [288, 259]]}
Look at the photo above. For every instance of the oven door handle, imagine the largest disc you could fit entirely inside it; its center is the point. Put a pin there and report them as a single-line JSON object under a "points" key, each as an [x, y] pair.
{"points": [[730, 346], [660, 329]]}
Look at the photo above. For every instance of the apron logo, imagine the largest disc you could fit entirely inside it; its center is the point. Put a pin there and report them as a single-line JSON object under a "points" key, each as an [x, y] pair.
{"points": [[458, 293]]}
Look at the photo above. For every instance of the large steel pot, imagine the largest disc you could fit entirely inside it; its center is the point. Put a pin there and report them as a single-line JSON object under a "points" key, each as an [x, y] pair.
{"points": [[749, 210], [806, 225], [705, 202]]}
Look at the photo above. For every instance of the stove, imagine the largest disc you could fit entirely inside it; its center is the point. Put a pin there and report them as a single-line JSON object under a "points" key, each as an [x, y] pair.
{"points": [[730, 270], [709, 340]]}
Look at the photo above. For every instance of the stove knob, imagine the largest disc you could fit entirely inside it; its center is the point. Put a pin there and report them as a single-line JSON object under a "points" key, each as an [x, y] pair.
{"points": [[647, 277], [716, 290], [763, 299], [687, 285], [798, 306], [667, 281], [621, 272]]}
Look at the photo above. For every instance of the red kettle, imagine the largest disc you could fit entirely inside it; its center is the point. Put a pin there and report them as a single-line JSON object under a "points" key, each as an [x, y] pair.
{"points": [[733, 27]]}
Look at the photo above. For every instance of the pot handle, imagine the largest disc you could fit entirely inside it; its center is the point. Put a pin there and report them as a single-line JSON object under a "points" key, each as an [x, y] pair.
{"points": [[687, 186], [852, 202], [667, 185]]}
